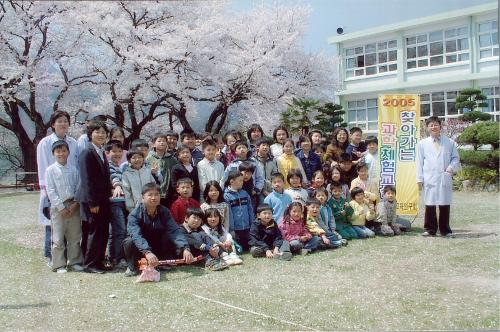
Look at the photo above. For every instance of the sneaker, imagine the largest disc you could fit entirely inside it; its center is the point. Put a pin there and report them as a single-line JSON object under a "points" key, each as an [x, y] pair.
{"points": [[304, 252], [284, 256], [49, 262], [426, 234], [235, 260], [61, 270], [130, 272], [77, 268], [122, 264], [344, 242], [448, 236], [216, 265]]}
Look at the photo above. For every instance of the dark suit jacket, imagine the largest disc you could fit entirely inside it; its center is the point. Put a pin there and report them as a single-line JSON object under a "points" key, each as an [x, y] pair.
{"points": [[95, 188]]}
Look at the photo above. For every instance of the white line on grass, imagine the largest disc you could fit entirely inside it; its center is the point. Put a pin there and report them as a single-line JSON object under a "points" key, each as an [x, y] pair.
{"points": [[253, 312]]}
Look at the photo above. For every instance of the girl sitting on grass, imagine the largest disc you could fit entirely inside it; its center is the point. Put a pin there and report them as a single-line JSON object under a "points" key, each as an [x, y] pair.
{"points": [[212, 226]]}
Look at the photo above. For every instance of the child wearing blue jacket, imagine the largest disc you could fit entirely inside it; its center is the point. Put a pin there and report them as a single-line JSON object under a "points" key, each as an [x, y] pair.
{"points": [[241, 212]]}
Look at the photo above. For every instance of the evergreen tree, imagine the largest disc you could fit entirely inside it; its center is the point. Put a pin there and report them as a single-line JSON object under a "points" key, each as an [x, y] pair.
{"points": [[472, 99], [330, 116], [298, 117]]}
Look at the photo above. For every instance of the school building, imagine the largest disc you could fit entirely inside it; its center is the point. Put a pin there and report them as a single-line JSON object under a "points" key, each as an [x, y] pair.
{"points": [[433, 56]]}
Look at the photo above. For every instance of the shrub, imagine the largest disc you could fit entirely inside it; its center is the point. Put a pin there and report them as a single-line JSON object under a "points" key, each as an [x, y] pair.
{"points": [[479, 176], [486, 159], [481, 133]]}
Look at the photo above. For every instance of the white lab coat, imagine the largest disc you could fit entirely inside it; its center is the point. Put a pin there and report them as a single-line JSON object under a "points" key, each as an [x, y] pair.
{"points": [[431, 169]]}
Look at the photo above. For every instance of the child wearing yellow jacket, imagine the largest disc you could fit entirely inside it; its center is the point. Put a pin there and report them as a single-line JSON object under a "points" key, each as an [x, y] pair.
{"points": [[364, 210]]}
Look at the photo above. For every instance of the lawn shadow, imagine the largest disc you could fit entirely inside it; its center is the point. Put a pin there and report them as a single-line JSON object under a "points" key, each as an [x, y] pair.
{"points": [[183, 272], [24, 306], [414, 231]]}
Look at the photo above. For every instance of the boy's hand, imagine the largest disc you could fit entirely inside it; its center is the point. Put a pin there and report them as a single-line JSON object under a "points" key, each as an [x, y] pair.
{"points": [[154, 167], [276, 251], [343, 212], [269, 254], [303, 238], [117, 192], [325, 239], [420, 185], [254, 193], [214, 251], [188, 256], [65, 213], [265, 193], [371, 206], [94, 210], [152, 259], [73, 208]]}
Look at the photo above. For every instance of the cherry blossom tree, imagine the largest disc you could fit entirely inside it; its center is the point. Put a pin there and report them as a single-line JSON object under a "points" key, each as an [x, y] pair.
{"points": [[151, 65], [33, 72]]}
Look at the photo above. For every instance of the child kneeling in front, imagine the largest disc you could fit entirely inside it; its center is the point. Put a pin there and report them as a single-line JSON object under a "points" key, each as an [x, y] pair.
{"points": [[199, 241], [153, 233], [215, 230], [265, 237]]}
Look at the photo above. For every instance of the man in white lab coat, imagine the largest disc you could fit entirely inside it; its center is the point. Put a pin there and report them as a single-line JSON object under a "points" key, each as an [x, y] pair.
{"points": [[437, 161]]}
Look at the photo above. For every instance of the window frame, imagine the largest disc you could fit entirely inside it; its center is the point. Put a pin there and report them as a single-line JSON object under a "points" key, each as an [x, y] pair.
{"points": [[352, 54], [421, 40], [492, 47], [365, 123], [494, 98]]}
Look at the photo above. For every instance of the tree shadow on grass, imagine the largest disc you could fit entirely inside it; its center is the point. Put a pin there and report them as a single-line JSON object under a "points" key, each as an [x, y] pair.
{"points": [[24, 306], [457, 233]]}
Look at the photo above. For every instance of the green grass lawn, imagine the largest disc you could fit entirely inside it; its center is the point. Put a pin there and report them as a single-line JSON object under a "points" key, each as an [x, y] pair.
{"points": [[407, 282]]}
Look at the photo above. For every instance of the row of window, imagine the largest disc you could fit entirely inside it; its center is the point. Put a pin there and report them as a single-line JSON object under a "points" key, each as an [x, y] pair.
{"points": [[364, 113], [430, 49]]}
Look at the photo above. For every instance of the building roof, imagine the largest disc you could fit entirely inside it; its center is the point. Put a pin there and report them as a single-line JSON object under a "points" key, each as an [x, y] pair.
{"points": [[421, 21]]}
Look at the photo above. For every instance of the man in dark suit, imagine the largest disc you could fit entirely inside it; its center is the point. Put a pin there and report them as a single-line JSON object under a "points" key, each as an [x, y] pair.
{"points": [[93, 195]]}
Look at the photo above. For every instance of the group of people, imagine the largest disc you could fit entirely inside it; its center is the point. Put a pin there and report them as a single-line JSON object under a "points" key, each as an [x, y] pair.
{"points": [[106, 204]]}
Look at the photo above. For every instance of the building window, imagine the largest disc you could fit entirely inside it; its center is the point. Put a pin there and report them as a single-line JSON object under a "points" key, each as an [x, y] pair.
{"points": [[437, 48], [441, 104], [363, 114], [371, 59], [488, 39], [493, 96]]}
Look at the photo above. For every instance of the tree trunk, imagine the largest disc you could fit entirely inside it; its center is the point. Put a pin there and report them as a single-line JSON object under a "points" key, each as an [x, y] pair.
{"points": [[181, 115], [27, 146], [219, 110]]}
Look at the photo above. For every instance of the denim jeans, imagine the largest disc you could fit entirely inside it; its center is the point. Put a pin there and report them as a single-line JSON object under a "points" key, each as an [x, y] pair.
{"points": [[48, 242], [118, 231], [312, 244], [363, 232]]}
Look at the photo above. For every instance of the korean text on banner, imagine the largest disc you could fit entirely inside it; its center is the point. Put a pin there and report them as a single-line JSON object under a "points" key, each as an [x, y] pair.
{"points": [[399, 131]]}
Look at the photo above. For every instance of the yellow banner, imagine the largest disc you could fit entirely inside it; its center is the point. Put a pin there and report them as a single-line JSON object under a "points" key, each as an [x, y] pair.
{"points": [[398, 134]]}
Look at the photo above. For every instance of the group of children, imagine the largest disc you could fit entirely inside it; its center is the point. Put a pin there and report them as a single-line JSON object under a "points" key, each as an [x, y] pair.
{"points": [[227, 194]]}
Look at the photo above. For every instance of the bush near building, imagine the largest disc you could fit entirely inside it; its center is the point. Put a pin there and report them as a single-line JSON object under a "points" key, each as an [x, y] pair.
{"points": [[480, 167]]}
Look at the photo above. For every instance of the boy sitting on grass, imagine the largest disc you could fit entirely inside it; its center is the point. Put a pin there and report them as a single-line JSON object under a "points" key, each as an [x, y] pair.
{"points": [[342, 212], [386, 213], [153, 233], [265, 237], [315, 227], [199, 241]]}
